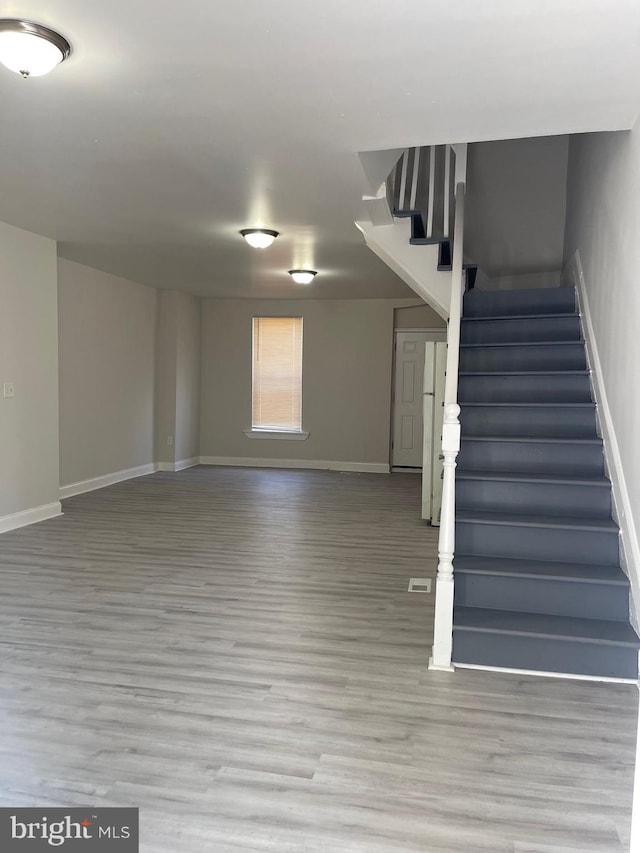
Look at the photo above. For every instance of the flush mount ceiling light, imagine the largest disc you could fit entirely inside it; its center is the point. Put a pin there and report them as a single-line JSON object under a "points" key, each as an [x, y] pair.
{"points": [[302, 276], [31, 49], [259, 238]]}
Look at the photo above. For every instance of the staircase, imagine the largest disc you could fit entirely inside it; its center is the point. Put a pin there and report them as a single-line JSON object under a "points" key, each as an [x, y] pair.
{"points": [[538, 584]]}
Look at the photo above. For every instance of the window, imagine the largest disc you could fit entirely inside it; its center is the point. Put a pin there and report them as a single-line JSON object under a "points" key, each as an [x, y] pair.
{"points": [[277, 374]]}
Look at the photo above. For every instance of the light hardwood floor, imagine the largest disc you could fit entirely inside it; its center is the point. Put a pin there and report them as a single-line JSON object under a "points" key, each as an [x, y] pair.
{"points": [[235, 652]]}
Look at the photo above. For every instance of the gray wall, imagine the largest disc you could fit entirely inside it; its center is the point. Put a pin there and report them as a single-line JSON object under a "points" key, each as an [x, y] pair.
{"points": [[347, 370], [515, 210], [603, 226], [29, 359], [418, 317], [177, 377], [107, 353], [188, 352], [165, 378]]}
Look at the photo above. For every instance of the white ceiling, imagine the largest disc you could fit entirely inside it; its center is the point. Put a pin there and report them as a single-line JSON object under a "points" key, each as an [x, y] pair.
{"points": [[172, 126]]}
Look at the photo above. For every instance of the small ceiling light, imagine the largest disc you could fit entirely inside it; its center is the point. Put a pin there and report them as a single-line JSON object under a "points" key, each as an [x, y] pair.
{"points": [[31, 49], [259, 238], [302, 276]]}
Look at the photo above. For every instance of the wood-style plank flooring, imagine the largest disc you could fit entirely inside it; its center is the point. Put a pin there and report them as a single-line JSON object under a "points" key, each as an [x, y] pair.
{"points": [[235, 652]]}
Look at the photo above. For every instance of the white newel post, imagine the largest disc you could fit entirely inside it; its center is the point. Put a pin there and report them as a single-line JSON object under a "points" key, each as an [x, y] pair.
{"points": [[443, 622]]}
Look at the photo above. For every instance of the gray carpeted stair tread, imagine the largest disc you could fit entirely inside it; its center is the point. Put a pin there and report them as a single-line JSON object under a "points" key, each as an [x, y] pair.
{"points": [[493, 317], [511, 567], [543, 625], [524, 373], [534, 439], [527, 477], [504, 344], [552, 521], [546, 405]]}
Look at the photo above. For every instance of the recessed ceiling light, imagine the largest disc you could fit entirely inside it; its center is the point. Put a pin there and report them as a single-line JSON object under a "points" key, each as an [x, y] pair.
{"points": [[302, 276], [259, 238], [31, 49]]}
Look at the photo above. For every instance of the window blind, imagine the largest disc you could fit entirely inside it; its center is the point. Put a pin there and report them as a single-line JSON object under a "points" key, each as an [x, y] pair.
{"points": [[277, 373]]}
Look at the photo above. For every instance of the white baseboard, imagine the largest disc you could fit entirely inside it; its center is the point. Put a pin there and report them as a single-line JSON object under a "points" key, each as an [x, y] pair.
{"points": [[187, 463], [180, 465], [623, 511], [315, 464], [106, 480], [30, 516]]}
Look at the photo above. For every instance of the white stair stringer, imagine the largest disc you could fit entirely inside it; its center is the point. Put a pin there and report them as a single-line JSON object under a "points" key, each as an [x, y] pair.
{"points": [[376, 168], [377, 207], [415, 265]]}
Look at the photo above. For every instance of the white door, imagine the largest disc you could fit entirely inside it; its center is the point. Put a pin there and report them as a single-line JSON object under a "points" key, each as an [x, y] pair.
{"points": [[407, 446]]}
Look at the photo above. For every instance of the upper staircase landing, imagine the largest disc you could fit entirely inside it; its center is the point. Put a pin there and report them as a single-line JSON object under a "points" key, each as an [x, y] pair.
{"points": [[411, 215]]}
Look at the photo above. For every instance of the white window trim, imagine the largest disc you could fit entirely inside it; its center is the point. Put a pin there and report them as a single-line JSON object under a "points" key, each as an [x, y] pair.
{"points": [[286, 434]]}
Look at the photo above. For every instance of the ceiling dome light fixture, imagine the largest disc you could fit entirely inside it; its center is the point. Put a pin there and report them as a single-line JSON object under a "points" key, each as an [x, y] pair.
{"points": [[259, 238], [31, 49], [303, 276]]}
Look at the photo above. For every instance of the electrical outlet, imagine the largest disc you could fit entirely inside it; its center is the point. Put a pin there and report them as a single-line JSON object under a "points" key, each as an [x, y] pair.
{"points": [[169, 441], [8, 390]]}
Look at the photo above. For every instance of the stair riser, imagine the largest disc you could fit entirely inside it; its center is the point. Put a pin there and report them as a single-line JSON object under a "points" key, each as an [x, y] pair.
{"points": [[544, 654], [517, 331], [597, 547], [534, 498], [523, 357], [532, 457], [525, 389], [553, 422], [417, 223], [541, 595], [543, 301]]}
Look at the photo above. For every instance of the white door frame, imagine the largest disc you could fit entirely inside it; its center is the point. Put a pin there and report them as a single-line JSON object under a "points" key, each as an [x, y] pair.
{"points": [[407, 400], [431, 483]]}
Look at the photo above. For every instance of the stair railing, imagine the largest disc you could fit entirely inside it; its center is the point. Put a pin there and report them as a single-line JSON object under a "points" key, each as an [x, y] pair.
{"points": [[443, 622], [423, 183]]}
